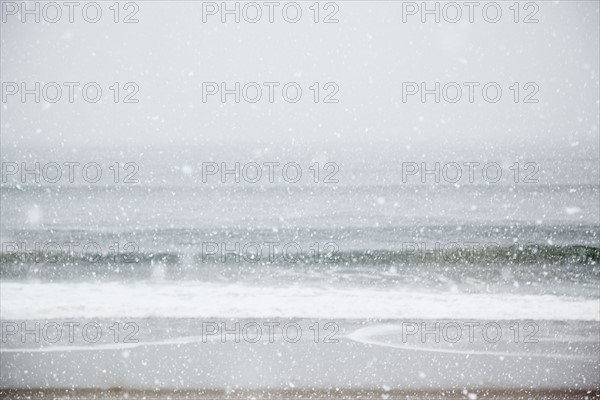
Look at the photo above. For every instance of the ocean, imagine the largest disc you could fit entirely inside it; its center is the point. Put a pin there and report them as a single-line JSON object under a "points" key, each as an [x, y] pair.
{"points": [[375, 243]]}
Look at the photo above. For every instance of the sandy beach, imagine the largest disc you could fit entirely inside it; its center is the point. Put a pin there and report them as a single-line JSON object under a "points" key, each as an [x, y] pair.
{"points": [[188, 358]]}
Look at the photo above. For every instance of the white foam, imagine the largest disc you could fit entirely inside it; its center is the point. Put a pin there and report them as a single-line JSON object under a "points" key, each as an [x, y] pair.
{"points": [[110, 346], [200, 300], [379, 335]]}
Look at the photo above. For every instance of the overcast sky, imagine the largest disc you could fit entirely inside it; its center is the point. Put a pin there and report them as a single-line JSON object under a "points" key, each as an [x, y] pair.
{"points": [[368, 54]]}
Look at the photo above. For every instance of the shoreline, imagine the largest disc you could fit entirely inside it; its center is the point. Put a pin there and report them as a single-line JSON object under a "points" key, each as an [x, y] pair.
{"points": [[365, 358]]}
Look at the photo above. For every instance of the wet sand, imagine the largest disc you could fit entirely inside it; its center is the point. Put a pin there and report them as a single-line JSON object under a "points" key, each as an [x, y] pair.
{"points": [[363, 359]]}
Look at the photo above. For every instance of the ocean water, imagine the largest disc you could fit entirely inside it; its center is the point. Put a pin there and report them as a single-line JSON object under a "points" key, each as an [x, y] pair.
{"points": [[367, 246]]}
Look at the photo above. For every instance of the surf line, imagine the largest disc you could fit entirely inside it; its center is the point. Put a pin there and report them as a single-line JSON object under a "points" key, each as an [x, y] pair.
{"points": [[366, 336], [107, 346]]}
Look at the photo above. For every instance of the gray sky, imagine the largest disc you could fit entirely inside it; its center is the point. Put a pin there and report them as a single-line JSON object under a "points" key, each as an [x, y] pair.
{"points": [[368, 54]]}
